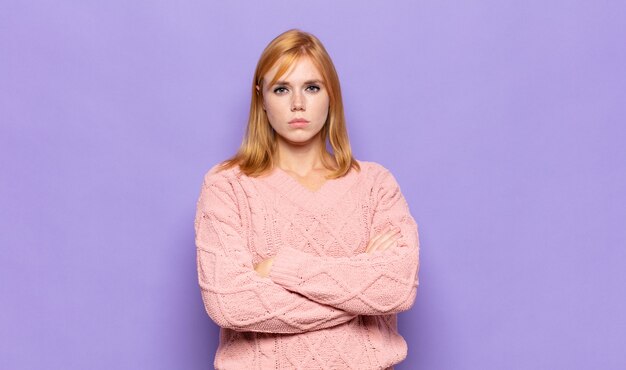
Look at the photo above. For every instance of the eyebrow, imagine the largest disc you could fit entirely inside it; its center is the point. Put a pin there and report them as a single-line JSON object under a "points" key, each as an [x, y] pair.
{"points": [[305, 82]]}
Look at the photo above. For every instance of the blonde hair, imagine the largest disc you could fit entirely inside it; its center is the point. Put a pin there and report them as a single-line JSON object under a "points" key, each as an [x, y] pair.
{"points": [[258, 149]]}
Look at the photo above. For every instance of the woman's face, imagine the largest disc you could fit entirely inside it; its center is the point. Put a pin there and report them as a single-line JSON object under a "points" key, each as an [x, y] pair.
{"points": [[297, 104]]}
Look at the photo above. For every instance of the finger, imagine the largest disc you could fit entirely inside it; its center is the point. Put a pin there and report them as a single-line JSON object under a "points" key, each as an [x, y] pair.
{"points": [[393, 240], [383, 239], [388, 235], [374, 242], [382, 233], [390, 243]]}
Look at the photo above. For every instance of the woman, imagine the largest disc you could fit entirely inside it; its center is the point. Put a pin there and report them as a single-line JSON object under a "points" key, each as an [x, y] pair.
{"points": [[305, 256]]}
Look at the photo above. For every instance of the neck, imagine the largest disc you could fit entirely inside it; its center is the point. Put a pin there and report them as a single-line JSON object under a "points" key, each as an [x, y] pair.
{"points": [[301, 158]]}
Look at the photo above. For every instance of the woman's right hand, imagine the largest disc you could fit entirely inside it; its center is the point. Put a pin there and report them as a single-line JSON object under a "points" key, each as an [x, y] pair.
{"points": [[384, 240]]}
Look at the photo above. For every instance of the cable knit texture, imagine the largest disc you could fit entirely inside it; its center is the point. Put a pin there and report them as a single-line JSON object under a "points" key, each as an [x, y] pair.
{"points": [[327, 304]]}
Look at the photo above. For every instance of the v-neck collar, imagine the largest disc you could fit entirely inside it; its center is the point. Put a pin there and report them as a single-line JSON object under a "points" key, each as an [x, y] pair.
{"points": [[289, 187], [287, 174]]}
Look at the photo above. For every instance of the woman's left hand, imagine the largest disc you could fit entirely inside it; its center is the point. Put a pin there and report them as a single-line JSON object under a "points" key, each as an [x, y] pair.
{"points": [[263, 268]]}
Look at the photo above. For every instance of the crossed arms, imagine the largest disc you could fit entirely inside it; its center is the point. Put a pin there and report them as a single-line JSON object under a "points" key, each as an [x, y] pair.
{"points": [[304, 292]]}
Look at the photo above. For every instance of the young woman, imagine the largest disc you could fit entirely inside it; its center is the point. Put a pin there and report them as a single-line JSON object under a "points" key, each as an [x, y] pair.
{"points": [[305, 255]]}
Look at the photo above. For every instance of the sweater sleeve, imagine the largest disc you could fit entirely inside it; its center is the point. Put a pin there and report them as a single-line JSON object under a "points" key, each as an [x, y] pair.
{"points": [[382, 282], [234, 295]]}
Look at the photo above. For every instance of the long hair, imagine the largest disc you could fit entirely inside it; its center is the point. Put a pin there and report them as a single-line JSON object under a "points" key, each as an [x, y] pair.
{"points": [[258, 149]]}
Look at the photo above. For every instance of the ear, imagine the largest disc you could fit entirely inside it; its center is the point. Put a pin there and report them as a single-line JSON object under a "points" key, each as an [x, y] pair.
{"points": [[258, 91]]}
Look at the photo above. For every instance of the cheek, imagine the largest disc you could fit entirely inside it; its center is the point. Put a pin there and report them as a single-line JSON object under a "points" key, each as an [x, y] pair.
{"points": [[323, 108], [276, 104], [269, 106], [274, 111]]}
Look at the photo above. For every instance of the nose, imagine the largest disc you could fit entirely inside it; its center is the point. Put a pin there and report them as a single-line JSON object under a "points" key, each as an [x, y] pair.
{"points": [[297, 102]]}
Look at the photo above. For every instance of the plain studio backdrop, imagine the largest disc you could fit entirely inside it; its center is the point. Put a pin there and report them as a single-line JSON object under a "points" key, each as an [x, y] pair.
{"points": [[503, 121]]}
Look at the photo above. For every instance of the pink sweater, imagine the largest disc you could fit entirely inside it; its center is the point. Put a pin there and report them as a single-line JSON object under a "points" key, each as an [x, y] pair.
{"points": [[326, 304]]}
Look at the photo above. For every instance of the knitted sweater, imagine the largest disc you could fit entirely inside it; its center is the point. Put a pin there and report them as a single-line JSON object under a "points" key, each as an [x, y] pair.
{"points": [[327, 304]]}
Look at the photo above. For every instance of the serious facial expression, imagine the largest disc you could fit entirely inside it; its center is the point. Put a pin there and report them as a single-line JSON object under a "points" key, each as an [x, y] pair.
{"points": [[297, 104]]}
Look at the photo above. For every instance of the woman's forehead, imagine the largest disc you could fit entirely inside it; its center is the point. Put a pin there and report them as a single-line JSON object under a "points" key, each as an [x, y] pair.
{"points": [[302, 68]]}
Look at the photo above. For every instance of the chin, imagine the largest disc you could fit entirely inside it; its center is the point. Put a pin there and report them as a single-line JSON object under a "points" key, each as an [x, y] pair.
{"points": [[299, 142], [299, 139]]}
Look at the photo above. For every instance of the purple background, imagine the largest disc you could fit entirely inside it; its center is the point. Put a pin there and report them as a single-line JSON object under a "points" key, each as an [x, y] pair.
{"points": [[503, 121]]}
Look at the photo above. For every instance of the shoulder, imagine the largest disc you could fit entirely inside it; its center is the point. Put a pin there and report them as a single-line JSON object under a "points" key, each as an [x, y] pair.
{"points": [[381, 182], [375, 171], [371, 166], [221, 180], [216, 175], [220, 190]]}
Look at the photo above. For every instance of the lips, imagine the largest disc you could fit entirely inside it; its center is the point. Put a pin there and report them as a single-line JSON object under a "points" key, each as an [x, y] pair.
{"points": [[298, 123], [298, 120]]}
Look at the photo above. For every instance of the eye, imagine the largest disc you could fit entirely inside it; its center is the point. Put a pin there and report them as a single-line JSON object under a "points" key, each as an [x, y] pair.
{"points": [[313, 88], [280, 90]]}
